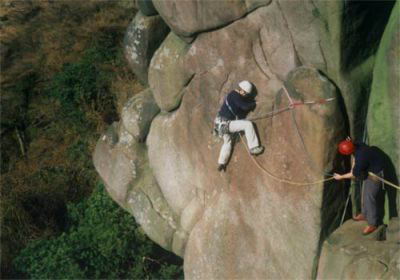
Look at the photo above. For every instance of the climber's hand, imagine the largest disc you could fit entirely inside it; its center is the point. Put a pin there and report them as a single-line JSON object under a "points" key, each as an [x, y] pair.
{"points": [[337, 176]]}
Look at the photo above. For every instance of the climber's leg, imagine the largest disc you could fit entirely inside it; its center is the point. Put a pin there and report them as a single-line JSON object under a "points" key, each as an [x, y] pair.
{"points": [[226, 150], [248, 128]]}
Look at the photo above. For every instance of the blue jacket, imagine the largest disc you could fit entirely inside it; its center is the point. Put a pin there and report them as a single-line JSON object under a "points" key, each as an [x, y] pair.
{"points": [[236, 106], [367, 159]]}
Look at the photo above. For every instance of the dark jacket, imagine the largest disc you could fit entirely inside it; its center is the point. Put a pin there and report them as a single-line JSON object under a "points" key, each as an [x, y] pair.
{"points": [[367, 159], [236, 106]]}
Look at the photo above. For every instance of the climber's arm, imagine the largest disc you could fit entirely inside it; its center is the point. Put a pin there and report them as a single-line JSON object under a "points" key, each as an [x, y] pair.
{"points": [[343, 176], [348, 175]]}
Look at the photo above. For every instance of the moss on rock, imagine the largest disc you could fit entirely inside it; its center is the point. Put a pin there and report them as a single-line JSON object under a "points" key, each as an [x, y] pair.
{"points": [[383, 113]]}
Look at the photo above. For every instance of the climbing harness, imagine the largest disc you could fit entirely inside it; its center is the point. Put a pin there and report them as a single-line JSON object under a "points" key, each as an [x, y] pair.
{"points": [[221, 126], [229, 106]]}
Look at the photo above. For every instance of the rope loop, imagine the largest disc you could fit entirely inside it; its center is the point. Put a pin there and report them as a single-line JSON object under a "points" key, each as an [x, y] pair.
{"points": [[293, 105]]}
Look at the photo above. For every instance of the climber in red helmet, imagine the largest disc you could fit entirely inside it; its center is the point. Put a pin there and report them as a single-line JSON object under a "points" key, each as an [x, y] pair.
{"points": [[365, 159], [230, 119]]}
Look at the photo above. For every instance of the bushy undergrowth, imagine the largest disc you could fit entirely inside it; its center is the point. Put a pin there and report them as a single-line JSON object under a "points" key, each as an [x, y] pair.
{"points": [[63, 75], [102, 241], [57, 167]]}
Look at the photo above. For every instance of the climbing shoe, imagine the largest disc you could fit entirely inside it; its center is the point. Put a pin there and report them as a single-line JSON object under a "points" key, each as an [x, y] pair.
{"points": [[222, 167], [359, 218], [369, 229], [257, 150]]}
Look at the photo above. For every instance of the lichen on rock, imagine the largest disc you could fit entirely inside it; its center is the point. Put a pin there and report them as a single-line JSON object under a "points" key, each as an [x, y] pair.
{"points": [[167, 76], [138, 113], [143, 36]]}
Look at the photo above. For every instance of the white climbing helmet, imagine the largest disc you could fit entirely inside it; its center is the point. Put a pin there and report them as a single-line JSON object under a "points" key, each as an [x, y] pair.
{"points": [[246, 86]]}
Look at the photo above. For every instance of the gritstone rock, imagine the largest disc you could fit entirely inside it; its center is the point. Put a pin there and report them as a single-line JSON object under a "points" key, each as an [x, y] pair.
{"points": [[192, 16], [167, 76], [243, 223], [143, 37], [147, 7], [138, 113], [346, 254], [123, 166]]}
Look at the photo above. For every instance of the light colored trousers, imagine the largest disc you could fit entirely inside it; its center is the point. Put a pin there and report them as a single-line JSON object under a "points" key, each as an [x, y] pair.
{"points": [[237, 126]]}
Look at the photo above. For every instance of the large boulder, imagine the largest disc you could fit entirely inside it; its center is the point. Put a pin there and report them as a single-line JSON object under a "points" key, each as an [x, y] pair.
{"points": [[349, 39], [384, 102], [138, 113], [217, 70], [192, 16], [273, 212], [146, 7], [348, 255], [144, 35], [248, 225], [114, 161], [304, 22], [123, 166], [167, 76]]}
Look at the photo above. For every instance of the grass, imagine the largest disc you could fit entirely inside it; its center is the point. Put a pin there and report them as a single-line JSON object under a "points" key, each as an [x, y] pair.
{"points": [[53, 166]]}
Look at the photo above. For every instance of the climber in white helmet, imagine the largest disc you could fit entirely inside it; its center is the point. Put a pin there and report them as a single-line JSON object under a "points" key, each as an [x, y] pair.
{"points": [[230, 119]]}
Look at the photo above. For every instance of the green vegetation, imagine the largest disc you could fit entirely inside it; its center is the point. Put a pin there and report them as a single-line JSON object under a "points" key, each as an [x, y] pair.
{"points": [[63, 81], [102, 241]]}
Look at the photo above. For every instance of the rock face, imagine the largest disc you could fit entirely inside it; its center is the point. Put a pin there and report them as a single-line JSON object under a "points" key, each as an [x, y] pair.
{"points": [[167, 75], [265, 217], [138, 113], [147, 7], [143, 37], [347, 255], [235, 237], [123, 165], [383, 111], [193, 16]]}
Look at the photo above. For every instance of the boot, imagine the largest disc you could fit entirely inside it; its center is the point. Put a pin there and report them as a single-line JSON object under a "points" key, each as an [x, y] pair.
{"points": [[257, 150], [359, 217], [222, 167], [369, 229]]}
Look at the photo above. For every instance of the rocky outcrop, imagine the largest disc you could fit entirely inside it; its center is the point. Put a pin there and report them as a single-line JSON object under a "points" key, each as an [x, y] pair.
{"points": [[383, 110], [167, 76], [138, 113], [260, 217], [144, 35], [124, 168], [146, 7], [348, 255], [193, 16], [235, 237]]}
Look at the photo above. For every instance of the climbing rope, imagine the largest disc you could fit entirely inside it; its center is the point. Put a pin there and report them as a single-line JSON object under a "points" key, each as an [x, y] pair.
{"points": [[270, 114], [384, 181], [291, 106], [282, 180]]}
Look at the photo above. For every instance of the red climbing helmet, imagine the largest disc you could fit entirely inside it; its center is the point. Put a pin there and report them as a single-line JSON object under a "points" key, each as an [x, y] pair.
{"points": [[346, 147]]}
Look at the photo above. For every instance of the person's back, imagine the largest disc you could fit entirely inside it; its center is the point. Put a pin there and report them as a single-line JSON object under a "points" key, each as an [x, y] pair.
{"points": [[367, 159], [236, 106]]}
